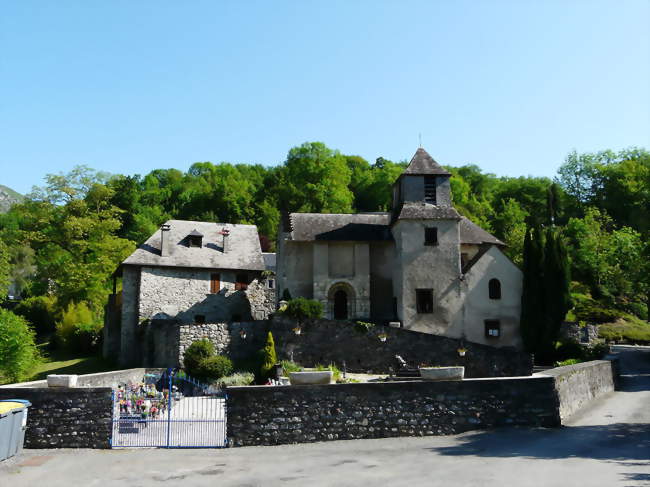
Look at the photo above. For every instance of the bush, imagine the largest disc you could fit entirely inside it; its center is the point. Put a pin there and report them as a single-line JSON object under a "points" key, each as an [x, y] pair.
{"points": [[40, 311], [286, 295], [269, 357], [213, 368], [196, 353], [570, 361], [236, 379], [363, 326], [18, 353], [336, 373], [78, 330], [303, 309], [288, 366]]}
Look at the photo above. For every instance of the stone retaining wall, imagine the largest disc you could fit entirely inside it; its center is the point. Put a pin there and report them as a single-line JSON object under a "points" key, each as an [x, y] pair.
{"points": [[579, 384], [100, 379], [300, 414], [327, 341], [66, 417]]}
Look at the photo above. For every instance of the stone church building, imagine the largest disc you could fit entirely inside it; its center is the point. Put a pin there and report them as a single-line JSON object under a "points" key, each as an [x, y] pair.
{"points": [[421, 265]]}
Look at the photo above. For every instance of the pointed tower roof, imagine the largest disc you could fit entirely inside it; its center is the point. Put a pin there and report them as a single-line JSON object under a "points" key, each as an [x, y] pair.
{"points": [[423, 164]]}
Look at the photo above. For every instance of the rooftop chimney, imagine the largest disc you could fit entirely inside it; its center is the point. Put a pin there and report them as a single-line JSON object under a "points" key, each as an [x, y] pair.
{"points": [[165, 244], [226, 239]]}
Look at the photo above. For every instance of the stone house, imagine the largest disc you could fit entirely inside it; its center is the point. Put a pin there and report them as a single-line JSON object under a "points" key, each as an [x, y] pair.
{"points": [[188, 273], [421, 264]]}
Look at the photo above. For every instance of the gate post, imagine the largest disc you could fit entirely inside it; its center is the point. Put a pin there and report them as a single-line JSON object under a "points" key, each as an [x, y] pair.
{"points": [[169, 407]]}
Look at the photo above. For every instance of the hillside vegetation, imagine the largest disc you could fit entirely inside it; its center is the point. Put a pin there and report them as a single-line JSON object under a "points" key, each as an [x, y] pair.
{"points": [[60, 245]]}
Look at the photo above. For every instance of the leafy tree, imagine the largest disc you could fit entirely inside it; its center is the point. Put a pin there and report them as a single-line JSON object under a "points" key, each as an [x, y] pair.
{"points": [[18, 352], [79, 330], [4, 271]]}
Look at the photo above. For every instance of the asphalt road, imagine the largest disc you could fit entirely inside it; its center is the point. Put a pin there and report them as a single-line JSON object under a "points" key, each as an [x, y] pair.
{"points": [[607, 444]]}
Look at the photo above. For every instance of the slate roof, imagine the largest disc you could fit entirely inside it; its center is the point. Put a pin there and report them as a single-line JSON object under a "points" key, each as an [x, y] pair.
{"points": [[307, 227], [471, 233], [423, 164], [244, 244], [416, 210]]}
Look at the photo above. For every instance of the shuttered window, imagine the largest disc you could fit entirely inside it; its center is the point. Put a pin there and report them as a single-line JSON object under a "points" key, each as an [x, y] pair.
{"points": [[215, 283]]}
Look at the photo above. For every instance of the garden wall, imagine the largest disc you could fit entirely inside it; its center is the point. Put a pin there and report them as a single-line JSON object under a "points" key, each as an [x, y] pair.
{"points": [[66, 417], [578, 384], [300, 414], [327, 341], [100, 379]]}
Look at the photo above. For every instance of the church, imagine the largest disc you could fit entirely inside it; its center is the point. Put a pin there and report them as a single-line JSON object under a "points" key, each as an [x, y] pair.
{"points": [[421, 266]]}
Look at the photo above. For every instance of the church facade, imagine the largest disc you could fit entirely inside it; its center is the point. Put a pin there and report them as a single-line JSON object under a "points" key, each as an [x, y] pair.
{"points": [[421, 265]]}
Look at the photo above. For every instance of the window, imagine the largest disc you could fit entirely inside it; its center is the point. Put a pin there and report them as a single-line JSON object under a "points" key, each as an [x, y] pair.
{"points": [[431, 236], [430, 189], [492, 328], [199, 319], [424, 300], [241, 283], [195, 241], [270, 283], [494, 289], [215, 283]]}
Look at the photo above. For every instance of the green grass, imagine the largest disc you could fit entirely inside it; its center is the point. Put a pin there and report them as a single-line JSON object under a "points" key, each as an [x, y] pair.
{"points": [[64, 362], [628, 328]]}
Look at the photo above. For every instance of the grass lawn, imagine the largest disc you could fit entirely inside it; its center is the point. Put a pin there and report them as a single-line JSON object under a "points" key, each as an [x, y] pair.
{"points": [[63, 362]]}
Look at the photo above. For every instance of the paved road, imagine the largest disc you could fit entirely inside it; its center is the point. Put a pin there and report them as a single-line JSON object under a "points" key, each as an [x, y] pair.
{"points": [[606, 445]]}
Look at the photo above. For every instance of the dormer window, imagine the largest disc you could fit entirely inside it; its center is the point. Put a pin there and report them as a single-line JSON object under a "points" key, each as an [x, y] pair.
{"points": [[430, 189], [195, 239]]}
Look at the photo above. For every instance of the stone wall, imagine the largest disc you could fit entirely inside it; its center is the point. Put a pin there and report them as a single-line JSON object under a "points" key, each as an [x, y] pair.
{"points": [[164, 341], [582, 334], [579, 384], [299, 414], [100, 379], [324, 342], [66, 418]]}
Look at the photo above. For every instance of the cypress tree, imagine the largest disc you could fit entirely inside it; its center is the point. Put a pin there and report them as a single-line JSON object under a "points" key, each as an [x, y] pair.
{"points": [[532, 298], [269, 357], [556, 286]]}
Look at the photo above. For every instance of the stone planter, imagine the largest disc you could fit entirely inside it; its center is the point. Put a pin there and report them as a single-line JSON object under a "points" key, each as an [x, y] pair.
{"points": [[313, 377], [61, 380], [442, 373]]}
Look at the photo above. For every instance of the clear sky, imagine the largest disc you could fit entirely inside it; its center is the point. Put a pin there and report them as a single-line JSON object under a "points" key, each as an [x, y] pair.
{"points": [[130, 86]]}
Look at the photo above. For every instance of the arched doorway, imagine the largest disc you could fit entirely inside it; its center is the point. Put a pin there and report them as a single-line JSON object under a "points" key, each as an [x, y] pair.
{"points": [[341, 301], [340, 305]]}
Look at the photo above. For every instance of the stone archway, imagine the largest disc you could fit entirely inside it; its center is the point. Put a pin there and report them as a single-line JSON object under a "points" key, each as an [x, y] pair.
{"points": [[341, 301]]}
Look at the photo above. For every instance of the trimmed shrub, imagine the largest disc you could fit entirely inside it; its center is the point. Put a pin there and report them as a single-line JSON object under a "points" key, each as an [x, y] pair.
{"points": [[303, 309], [213, 368], [269, 357], [196, 353], [18, 352], [286, 295], [78, 330]]}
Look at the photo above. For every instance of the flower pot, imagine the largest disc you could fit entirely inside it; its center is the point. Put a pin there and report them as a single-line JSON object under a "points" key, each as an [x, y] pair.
{"points": [[311, 377], [442, 373]]}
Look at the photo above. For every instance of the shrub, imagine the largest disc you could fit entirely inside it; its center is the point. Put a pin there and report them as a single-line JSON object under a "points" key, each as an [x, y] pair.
{"points": [[213, 368], [363, 326], [236, 379], [269, 357], [40, 312], [18, 353], [78, 330], [570, 361], [196, 353], [303, 309], [288, 366]]}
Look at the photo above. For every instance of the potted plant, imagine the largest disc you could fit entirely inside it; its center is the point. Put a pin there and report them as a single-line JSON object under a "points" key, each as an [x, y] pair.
{"points": [[382, 337], [461, 351]]}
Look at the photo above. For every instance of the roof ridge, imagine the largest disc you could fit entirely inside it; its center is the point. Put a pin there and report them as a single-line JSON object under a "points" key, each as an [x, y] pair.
{"points": [[423, 164]]}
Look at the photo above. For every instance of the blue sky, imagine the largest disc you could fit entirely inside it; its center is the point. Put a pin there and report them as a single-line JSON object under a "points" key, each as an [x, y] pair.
{"points": [[127, 87]]}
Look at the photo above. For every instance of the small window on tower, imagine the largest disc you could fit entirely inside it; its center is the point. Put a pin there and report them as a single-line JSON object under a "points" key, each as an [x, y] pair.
{"points": [[492, 328], [430, 189], [424, 300], [431, 236], [494, 289]]}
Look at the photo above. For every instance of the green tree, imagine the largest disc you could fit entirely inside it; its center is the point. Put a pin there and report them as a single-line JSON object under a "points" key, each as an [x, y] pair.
{"points": [[533, 292], [18, 352], [556, 278], [4, 271], [269, 357]]}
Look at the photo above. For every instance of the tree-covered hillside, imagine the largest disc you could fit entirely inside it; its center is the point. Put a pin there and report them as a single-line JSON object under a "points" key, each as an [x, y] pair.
{"points": [[61, 244]]}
